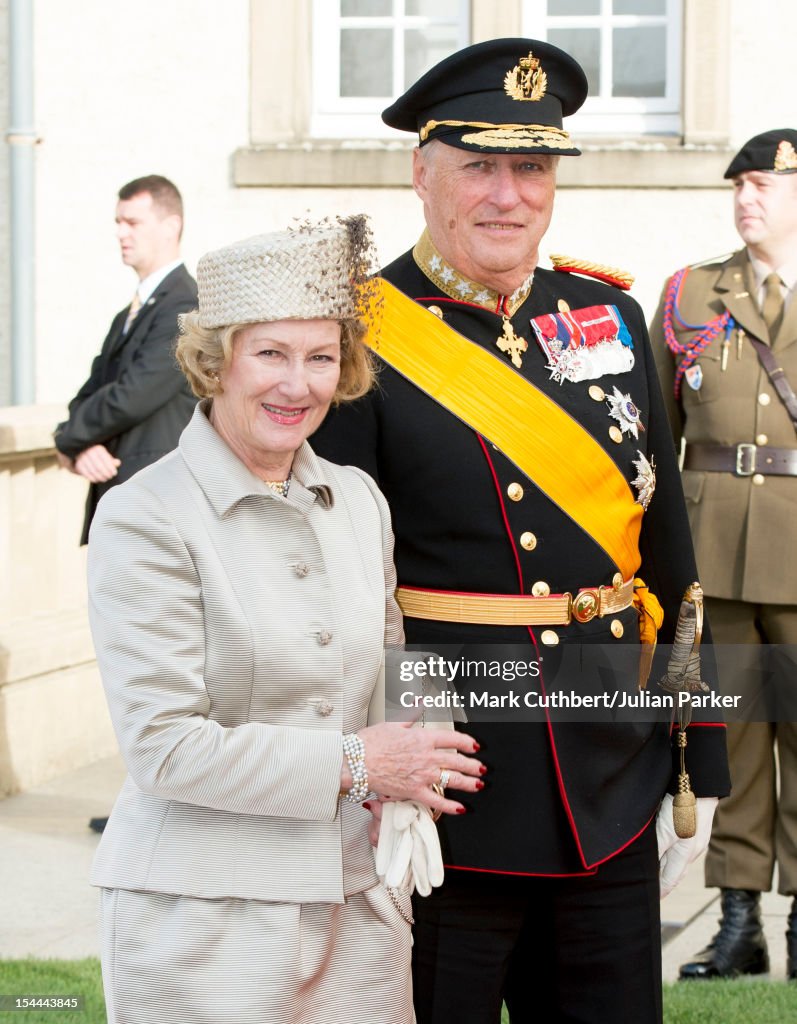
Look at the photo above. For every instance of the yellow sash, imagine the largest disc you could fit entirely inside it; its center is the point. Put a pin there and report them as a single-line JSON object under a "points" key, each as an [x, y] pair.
{"points": [[543, 441]]}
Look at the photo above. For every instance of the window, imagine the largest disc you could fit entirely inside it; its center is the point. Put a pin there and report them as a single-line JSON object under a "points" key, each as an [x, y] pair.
{"points": [[367, 52], [299, 106], [631, 53]]}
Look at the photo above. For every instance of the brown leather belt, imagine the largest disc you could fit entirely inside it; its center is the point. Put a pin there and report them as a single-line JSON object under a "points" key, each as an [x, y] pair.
{"points": [[741, 459], [515, 610]]}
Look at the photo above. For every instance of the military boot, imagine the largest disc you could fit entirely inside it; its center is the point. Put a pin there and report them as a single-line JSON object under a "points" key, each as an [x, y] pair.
{"points": [[791, 943], [739, 947]]}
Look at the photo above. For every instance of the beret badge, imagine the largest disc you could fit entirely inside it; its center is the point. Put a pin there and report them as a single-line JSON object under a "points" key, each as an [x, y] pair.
{"points": [[526, 80], [785, 157]]}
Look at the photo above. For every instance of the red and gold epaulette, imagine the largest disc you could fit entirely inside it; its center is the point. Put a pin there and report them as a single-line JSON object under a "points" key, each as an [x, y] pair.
{"points": [[609, 275]]}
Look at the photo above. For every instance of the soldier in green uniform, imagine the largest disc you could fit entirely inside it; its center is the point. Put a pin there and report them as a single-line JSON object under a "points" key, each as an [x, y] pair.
{"points": [[514, 432], [725, 339]]}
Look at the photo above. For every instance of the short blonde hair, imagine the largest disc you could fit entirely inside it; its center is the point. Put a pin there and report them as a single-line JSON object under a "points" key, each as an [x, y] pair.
{"points": [[204, 353]]}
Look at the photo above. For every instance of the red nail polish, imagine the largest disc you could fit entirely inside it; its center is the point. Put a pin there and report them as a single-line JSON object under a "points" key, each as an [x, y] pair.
{"points": [[482, 770], [461, 810], [367, 806], [476, 747], [479, 784]]}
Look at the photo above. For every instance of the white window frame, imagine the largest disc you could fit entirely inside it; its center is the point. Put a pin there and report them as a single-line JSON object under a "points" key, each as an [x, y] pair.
{"points": [[620, 115], [333, 116]]}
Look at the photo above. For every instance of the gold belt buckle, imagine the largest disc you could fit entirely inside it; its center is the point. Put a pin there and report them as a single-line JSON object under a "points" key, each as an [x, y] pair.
{"points": [[586, 604]]}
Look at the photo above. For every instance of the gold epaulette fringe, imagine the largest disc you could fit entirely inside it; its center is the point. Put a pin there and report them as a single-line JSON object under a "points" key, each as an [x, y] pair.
{"points": [[610, 275]]}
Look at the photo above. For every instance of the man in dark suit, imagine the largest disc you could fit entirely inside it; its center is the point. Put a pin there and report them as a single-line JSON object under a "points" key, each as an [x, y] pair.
{"points": [[136, 402], [519, 435]]}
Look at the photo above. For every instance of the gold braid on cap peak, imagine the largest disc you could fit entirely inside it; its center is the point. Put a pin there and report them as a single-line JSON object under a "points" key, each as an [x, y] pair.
{"points": [[540, 129], [610, 275]]}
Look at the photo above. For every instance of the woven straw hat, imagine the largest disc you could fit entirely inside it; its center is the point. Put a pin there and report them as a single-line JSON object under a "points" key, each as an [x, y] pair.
{"points": [[307, 273]]}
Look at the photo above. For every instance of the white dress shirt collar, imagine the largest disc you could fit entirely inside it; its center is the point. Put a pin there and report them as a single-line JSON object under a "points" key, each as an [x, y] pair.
{"points": [[148, 284]]}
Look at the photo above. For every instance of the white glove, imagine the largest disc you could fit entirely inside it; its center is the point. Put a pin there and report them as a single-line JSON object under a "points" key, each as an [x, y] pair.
{"points": [[675, 855], [408, 855]]}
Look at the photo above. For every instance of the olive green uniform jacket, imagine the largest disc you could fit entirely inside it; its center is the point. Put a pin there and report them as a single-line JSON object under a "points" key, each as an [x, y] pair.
{"points": [[744, 527]]}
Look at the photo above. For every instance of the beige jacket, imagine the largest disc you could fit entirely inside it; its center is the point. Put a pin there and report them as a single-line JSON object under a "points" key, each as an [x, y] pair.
{"points": [[745, 533], [239, 635]]}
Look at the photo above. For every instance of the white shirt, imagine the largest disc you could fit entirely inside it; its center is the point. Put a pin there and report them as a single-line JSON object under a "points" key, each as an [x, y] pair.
{"points": [[148, 284]]}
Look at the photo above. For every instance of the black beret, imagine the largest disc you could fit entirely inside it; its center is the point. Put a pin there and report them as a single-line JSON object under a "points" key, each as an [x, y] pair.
{"points": [[500, 96], [774, 151]]}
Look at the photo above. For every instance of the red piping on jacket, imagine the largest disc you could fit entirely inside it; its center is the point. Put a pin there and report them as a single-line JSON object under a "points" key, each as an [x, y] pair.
{"points": [[455, 302], [589, 868], [699, 725]]}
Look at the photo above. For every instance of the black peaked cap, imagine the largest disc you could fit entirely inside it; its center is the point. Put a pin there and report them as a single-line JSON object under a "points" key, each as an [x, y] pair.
{"points": [[502, 95]]}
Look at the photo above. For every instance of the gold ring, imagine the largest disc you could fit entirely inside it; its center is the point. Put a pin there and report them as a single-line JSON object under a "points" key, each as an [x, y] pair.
{"points": [[440, 788]]}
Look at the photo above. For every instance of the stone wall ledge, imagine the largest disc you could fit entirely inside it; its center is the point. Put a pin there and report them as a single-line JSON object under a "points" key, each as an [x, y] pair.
{"points": [[652, 162], [44, 642], [50, 725], [25, 429]]}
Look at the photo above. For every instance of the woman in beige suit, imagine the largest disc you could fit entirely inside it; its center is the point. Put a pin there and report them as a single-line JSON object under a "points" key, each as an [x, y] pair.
{"points": [[241, 595]]}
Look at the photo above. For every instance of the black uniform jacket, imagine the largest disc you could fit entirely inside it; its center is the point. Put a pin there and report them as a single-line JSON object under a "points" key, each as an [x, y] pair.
{"points": [[136, 400], [561, 796]]}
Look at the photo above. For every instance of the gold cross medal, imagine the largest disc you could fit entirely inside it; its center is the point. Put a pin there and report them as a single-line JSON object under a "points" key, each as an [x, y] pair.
{"points": [[511, 344]]}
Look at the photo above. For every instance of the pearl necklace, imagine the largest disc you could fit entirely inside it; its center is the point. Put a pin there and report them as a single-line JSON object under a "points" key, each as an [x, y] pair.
{"points": [[279, 486]]}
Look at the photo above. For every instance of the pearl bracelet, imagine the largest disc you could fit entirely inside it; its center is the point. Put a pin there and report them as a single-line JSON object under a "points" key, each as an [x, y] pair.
{"points": [[354, 752]]}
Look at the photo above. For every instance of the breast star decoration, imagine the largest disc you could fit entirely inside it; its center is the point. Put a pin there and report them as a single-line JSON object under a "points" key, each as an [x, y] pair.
{"points": [[622, 409], [645, 480]]}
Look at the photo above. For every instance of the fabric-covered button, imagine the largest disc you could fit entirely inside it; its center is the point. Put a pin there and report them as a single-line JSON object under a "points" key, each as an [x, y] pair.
{"points": [[323, 707], [324, 637], [301, 569]]}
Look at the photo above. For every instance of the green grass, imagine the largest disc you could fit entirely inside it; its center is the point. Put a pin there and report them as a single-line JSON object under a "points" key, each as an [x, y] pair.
{"points": [[715, 1002], [727, 1002], [730, 1002], [53, 978]]}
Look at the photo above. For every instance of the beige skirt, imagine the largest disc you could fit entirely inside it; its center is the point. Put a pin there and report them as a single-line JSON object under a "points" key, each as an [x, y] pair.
{"points": [[194, 961]]}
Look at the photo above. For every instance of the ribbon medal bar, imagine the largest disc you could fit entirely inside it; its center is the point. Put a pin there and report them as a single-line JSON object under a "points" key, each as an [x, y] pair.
{"points": [[584, 344]]}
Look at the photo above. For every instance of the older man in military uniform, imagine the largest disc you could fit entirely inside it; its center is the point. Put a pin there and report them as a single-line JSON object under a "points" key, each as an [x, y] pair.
{"points": [[514, 432], [725, 337]]}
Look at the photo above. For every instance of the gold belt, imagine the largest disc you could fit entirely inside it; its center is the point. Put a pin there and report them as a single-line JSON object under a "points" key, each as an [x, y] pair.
{"points": [[515, 610]]}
